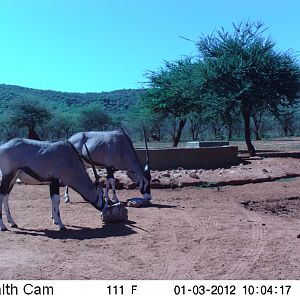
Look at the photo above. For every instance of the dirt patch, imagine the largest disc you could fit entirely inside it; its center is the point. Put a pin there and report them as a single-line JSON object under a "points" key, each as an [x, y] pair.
{"points": [[278, 207], [187, 233]]}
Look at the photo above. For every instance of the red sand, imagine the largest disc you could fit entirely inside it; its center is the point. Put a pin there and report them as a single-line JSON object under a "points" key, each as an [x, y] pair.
{"points": [[247, 231]]}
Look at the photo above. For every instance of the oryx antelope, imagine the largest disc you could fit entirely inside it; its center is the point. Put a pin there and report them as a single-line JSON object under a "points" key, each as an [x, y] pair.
{"points": [[114, 151], [57, 163]]}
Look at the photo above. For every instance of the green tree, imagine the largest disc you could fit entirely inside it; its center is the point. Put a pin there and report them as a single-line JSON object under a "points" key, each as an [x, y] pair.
{"points": [[173, 93], [8, 130], [60, 127], [195, 124], [140, 117], [93, 117], [29, 113], [286, 118], [244, 68]]}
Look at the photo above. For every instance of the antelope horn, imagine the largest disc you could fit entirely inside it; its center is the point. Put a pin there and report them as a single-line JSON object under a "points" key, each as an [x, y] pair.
{"points": [[147, 151], [92, 164]]}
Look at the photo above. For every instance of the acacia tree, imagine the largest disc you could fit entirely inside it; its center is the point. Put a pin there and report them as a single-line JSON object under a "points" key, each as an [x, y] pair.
{"points": [[220, 112], [244, 68], [60, 127], [286, 118], [29, 113], [257, 117], [141, 118], [196, 123], [173, 93], [93, 117], [9, 130]]}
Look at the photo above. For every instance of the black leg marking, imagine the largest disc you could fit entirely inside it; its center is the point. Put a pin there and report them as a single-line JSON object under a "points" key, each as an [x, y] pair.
{"points": [[54, 187], [110, 172], [7, 183]]}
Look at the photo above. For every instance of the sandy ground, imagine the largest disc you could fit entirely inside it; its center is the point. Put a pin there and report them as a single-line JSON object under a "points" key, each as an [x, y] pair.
{"points": [[237, 231]]}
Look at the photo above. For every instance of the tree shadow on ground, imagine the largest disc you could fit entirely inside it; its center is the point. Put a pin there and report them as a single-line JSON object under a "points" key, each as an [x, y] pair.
{"points": [[83, 233]]}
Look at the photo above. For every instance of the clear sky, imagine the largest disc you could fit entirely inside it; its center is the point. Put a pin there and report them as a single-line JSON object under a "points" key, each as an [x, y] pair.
{"points": [[104, 45]]}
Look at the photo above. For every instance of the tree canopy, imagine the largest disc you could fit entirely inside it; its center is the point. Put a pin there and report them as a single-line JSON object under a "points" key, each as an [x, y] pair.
{"points": [[93, 117], [29, 113], [173, 92], [244, 70]]}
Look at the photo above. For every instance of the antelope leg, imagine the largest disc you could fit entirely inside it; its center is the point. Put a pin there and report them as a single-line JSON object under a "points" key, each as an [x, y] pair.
{"points": [[66, 196], [55, 199], [10, 220], [2, 226]]}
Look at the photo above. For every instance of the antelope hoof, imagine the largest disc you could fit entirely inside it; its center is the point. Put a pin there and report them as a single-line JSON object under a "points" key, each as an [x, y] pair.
{"points": [[3, 229], [62, 228], [147, 197], [58, 223], [14, 225], [109, 202], [67, 199], [115, 201]]}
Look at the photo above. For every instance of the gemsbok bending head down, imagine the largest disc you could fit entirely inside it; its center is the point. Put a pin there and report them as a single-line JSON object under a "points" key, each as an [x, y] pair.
{"points": [[114, 151], [57, 163]]}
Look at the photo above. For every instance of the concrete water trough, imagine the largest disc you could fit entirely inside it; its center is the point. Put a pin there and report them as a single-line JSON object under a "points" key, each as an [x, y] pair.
{"points": [[197, 144], [190, 158]]}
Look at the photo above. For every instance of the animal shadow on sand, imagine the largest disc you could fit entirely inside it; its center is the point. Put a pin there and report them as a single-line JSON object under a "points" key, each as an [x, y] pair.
{"points": [[150, 204], [83, 233], [157, 206]]}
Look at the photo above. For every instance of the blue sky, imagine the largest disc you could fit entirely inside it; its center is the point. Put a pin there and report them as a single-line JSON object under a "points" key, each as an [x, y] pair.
{"points": [[104, 45]]}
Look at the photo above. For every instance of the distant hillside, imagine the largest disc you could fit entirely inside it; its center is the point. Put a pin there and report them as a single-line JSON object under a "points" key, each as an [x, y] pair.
{"points": [[115, 101]]}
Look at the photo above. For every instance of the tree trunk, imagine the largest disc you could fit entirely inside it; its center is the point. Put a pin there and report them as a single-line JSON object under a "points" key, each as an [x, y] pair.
{"points": [[194, 127], [215, 130], [229, 132], [256, 127], [246, 116], [286, 126], [197, 130], [257, 136], [285, 129], [194, 132], [256, 130], [178, 135], [32, 134]]}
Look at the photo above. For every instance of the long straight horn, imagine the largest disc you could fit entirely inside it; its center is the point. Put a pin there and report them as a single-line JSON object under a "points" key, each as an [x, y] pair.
{"points": [[147, 151], [92, 164]]}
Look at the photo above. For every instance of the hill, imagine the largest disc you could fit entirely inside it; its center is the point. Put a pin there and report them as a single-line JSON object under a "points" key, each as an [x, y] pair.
{"points": [[115, 101]]}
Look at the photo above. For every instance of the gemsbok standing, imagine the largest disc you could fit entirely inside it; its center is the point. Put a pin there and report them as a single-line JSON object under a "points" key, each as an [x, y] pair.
{"points": [[114, 151], [57, 163]]}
